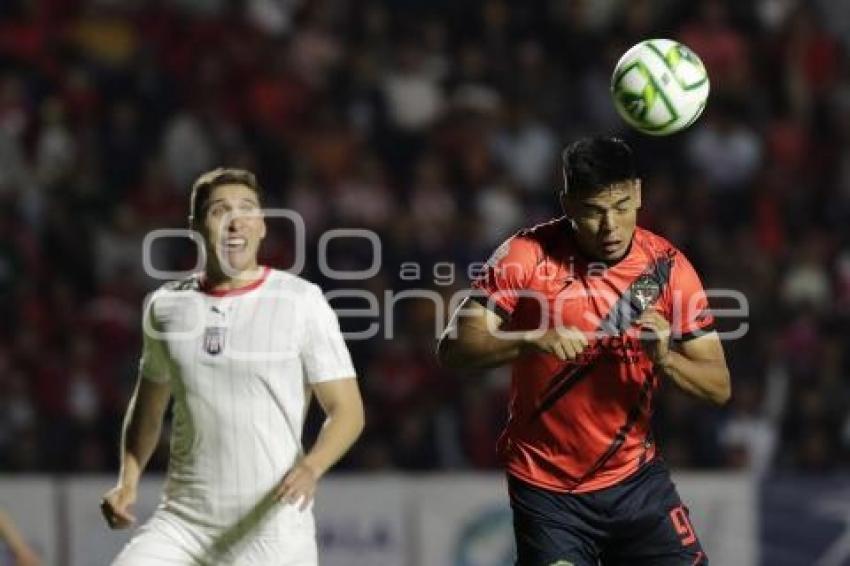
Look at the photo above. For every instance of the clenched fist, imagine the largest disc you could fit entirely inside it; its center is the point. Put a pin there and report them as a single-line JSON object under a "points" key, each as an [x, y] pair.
{"points": [[567, 343], [115, 506], [654, 335]]}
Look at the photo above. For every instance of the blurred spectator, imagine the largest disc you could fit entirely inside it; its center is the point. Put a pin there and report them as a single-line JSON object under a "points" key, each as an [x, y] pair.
{"points": [[725, 151], [117, 246], [500, 209], [807, 282], [432, 205], [55, 150], [414, 97], [722, 47], [187, 149], [274, 17], [526, 148], [749, 437]]}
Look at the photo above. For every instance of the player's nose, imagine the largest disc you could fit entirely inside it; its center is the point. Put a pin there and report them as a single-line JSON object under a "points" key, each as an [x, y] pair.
{"points": [[237, 222]]}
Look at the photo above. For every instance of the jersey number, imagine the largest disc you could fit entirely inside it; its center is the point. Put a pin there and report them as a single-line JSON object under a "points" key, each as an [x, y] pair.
{"points": [[682, 524]]}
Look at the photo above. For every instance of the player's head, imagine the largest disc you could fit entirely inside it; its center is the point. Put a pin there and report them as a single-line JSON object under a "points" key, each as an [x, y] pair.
{"points": [[601, 195], [225, 209]]}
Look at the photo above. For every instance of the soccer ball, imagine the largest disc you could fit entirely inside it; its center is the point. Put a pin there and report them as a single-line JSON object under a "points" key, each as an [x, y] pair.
{"points": [[659, 87]]}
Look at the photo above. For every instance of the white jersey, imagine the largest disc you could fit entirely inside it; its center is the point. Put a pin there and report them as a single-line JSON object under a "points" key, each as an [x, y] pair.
{"points": [[240, 364]]}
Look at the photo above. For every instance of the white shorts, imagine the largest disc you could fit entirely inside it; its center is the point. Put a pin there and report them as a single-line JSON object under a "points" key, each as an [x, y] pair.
{"points": [[169, 540]]}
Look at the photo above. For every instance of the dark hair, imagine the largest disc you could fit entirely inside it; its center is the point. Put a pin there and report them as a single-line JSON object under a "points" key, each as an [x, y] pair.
{"points": [[594, 163], [203, 187]]}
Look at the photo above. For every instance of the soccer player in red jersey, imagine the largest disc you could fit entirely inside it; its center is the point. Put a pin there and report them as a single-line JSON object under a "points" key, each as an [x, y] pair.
{"points": [[593, 313]]}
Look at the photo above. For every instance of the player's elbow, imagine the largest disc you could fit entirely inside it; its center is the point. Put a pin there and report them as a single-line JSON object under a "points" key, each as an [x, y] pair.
{"points": [[359, 420], [352, 413], [723, 393]]}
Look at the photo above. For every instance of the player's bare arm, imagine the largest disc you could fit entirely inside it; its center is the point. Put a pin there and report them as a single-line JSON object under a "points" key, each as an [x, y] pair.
{"points": [[343, 406], [21, 552], [139, 437], [476, 346], [698, 366]]}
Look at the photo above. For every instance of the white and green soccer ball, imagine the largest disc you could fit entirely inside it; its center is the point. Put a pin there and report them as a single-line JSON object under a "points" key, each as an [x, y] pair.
{"points": [[660, 87]]}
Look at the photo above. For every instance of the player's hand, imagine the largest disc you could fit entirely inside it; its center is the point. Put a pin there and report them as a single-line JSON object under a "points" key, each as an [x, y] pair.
{"points": [[115, 506], [298, 484], [566, 342], [654, 335]]}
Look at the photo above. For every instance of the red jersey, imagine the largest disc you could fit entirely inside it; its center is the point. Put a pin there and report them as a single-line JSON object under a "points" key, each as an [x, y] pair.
{"points": [[584, 425]]}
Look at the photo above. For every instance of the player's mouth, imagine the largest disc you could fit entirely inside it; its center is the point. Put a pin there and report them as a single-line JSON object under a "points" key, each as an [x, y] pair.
{"points": [[611, 246], [234, 244]]}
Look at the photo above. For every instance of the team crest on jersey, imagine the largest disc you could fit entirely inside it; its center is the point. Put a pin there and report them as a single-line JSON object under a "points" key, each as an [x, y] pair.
{"points": [[645, 291], [214, 340]]}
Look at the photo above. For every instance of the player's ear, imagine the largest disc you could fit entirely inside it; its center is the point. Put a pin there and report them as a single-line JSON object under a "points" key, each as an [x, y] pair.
{"points": [[562, 198], [262, 225], [568, 205], [637, 193]]}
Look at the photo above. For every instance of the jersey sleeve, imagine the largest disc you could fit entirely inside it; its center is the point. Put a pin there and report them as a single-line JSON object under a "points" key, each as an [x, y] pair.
{"points": [[153, 364], [324, 355], [506, 274], [691, 315]]}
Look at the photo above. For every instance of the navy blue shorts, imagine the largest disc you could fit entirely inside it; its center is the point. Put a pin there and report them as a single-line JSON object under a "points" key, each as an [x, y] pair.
{"points": [[638, 522]]}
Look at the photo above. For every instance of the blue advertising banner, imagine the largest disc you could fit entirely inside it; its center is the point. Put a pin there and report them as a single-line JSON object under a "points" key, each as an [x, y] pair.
{"points": [[805, 521]]}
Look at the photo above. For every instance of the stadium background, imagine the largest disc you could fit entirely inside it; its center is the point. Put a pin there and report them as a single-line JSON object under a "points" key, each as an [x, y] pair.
{"points": [[438, 125]]}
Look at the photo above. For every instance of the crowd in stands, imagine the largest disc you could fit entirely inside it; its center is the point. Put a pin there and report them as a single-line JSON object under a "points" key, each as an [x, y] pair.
{"points": [[437, 125]]}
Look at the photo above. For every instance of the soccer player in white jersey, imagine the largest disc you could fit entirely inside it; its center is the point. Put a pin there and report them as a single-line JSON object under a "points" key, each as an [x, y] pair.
{"points": [[240, 348]]}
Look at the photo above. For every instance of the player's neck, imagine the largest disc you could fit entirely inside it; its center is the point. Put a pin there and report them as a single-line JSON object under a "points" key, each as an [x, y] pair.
{"points": [[214, 278], [614, 261]]}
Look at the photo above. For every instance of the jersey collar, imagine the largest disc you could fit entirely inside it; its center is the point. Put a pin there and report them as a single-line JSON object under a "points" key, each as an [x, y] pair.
{"points": [[204, 286]]}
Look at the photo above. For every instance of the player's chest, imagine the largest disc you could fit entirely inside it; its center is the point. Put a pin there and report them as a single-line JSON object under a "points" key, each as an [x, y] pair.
{"points": [[583, 298], [234, 336]]}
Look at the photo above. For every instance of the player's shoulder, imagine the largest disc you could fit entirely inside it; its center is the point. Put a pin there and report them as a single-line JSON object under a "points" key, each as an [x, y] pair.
{"points": [[658, 245], [283, 281], [172, 296], [178, 287], [541, 238], [545, 232], [662, 249]]}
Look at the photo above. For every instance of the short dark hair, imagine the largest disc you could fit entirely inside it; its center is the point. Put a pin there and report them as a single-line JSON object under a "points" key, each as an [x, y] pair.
{"points": [[203, 187], [594, 163]]}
